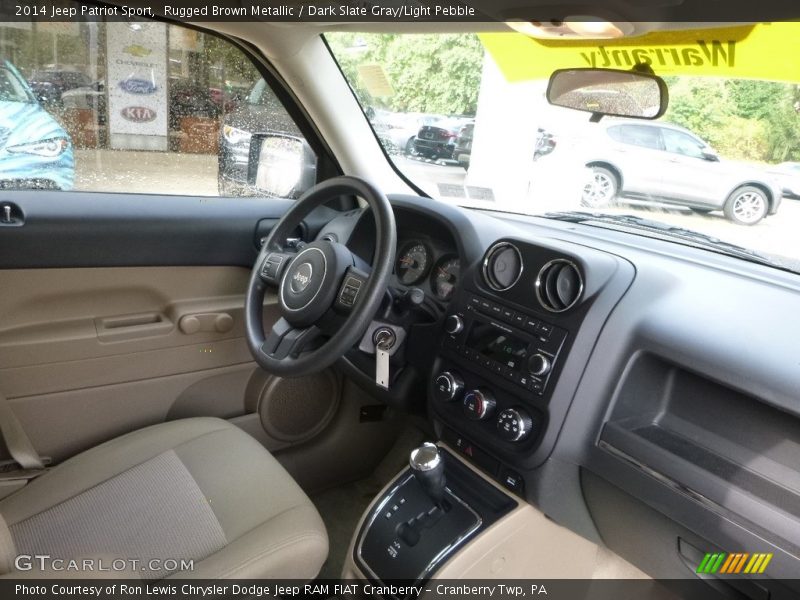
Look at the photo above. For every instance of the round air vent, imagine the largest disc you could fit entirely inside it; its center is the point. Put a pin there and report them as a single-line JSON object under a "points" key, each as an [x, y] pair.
{"points": [[559, 285], [502, 266]]}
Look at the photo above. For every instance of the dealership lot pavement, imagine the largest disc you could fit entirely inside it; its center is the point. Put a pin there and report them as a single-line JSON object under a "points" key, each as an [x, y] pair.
{"points": [[196, 175], [133, 172]]}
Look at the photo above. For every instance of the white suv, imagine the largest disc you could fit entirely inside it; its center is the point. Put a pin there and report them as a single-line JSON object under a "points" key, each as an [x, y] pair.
{"points": [[667, 163]]}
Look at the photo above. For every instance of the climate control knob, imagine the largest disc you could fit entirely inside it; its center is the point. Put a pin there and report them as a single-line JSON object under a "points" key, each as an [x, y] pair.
{"points": [[479, 404], [447, 386], [514, 424], [539, 364], [453, 324]]}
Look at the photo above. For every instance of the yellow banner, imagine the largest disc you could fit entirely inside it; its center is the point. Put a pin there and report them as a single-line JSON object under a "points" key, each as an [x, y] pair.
{"points": [[769, 51]]}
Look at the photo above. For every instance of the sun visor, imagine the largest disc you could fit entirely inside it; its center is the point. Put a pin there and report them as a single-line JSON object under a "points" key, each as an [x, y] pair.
{"points": [[767, 51]]}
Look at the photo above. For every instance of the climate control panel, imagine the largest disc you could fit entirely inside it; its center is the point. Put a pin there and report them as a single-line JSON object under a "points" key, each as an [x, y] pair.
{"points": [[511, 423]]}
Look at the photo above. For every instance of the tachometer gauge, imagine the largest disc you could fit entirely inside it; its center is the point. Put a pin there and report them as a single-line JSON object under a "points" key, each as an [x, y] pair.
{"points": [[412, 264], [445, 277]]}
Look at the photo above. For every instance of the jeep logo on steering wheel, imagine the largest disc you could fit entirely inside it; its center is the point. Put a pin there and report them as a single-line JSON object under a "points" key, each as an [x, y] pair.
{"points": [[301, 278]]}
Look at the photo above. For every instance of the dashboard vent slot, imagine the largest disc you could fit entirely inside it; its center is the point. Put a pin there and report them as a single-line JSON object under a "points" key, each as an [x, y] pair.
{"points": [[502, 266], [559, 285]]}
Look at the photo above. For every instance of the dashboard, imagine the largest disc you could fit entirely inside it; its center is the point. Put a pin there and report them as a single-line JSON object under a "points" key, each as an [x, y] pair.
{"points": [[596, 375], [427, 255]]}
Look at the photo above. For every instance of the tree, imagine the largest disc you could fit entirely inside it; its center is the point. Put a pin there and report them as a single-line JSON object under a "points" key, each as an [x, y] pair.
{"points": [[744, 119], [429, 73]]}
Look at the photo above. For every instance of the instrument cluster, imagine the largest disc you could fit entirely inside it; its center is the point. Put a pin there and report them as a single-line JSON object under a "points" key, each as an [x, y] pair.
{"points": [[426, 264]]}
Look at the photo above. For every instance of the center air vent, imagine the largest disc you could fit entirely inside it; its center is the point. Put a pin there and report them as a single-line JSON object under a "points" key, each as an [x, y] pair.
{"points": [[559, 285], [502, 266]]}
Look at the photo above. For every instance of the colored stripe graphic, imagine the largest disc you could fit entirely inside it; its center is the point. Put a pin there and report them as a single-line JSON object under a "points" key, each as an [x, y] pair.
{"points": [[763, 566], [728, 564], [734, 563], [704, 563]]}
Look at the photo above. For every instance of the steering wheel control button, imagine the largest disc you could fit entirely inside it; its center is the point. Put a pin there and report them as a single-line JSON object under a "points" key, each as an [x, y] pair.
{"points": [[539, 364], [514, 424], [349, 292], [478, 404], [271, 268], [447, 386], [453, 324]]}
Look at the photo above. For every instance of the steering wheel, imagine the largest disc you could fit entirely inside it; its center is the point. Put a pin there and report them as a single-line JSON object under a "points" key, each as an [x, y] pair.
{"points": [[320, 289]]}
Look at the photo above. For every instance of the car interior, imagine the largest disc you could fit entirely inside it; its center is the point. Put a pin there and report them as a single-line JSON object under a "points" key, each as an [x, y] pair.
{"points": [[358, 381]]}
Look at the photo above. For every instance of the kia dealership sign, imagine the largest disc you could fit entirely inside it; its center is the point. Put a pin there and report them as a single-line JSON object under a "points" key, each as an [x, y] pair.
{"points": [[137, 85]]}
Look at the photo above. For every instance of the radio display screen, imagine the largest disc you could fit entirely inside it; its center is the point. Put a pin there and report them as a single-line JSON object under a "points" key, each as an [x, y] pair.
{"points": [[496, 344]]}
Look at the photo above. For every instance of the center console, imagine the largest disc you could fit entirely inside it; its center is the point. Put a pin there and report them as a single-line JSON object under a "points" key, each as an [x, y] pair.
{"points": [[517, 352], [494, 378], [425, 516], [504, 344]]}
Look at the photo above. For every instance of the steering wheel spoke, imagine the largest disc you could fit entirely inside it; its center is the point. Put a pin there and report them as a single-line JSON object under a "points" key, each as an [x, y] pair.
{"points": [[273, 265], [286, 341]]}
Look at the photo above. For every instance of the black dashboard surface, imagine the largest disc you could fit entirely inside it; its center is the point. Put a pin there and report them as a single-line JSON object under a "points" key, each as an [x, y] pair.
{"points": [[675, 398]]}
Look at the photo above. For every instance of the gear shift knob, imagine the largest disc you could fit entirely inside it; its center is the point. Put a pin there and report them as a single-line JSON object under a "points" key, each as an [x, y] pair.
{"points": [[428, 468]]}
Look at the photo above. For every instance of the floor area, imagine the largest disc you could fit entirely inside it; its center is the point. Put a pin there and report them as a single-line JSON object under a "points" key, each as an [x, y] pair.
{"points": [[341, 507]]}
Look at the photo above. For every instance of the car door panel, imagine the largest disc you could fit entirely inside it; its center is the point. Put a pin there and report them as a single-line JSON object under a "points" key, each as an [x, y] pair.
{"points": [[72, 386], [73, 229], [96, 289]]}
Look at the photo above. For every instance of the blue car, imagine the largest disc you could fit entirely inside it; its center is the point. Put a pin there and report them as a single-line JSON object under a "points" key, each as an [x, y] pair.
{"points": [[35, 151]]}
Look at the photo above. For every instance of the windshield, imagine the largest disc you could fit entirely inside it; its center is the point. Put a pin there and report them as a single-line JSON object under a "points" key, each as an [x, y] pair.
{"points": [[465, 118]]}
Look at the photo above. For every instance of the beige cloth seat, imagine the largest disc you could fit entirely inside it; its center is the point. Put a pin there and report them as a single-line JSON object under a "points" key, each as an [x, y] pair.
{"points": [[196, 490]]}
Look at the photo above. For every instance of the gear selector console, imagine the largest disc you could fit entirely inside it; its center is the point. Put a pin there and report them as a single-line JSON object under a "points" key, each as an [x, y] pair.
{"points": [[430, 511]]}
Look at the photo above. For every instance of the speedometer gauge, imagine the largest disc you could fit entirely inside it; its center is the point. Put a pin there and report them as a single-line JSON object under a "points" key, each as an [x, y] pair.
{"points": [[412, 264], [444, 278]]}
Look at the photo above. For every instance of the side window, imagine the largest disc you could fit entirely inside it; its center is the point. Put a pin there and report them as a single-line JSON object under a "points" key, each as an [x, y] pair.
{"points": [[637, 135], [146, 107], [680, 143]]}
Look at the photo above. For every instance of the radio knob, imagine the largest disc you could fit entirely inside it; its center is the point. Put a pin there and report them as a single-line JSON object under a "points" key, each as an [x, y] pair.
{"points": [[447, 386], [478, 404], [539, 364], [453, 324], [514, 424]]}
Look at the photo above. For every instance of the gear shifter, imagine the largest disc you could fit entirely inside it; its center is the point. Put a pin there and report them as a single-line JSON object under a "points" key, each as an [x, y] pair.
{"points": [[428, 468]]}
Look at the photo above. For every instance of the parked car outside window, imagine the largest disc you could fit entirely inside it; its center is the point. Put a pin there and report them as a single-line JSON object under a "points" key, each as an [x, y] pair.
{"points": [[788, 173], [50, 85], [35, 151], [674, 166]]}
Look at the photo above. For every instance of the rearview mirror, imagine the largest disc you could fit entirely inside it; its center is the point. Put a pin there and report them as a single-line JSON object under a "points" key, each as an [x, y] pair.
{"points": [[609, 92], [283, 166]]}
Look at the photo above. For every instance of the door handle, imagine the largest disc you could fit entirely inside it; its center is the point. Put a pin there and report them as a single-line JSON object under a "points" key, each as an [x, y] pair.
{"points": [[220, 322], [132, 327]]}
